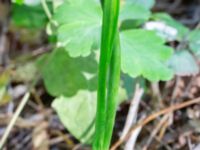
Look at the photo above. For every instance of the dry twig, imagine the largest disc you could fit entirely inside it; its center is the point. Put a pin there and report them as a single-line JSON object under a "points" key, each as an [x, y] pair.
{"points": [[154, 116], [14, 119]]}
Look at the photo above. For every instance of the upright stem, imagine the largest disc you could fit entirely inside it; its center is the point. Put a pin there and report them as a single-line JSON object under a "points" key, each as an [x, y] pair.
{"points": [[46, 9], [108, 58], [112, 97]]}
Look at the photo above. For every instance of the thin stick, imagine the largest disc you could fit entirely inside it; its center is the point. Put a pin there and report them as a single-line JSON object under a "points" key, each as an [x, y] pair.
{"points": [[46, 9], [13, 120], [154, 116], [130, 144], [155, 131], [133, 110], [132, 118], [48, 13]]}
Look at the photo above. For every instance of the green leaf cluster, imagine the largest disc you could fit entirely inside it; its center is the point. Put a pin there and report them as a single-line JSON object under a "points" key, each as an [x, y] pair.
{"points": [[69, 72], [183, 62], [79, 33]]}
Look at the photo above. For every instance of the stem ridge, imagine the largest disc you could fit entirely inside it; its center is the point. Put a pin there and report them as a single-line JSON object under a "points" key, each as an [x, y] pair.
{"points": [[109, 75]]}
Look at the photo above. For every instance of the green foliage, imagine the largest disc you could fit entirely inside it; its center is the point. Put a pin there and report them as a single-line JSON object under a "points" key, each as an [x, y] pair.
{"points": [[64, 75], [29, 2], [84, 19], [132, 11], [31, 17], [80, 18], [76, 28], [144, 53], [145, 3], [136, 9], [168, 20], [194, 40], [77, 114], [109, 75], [130, 83], [183, 63], [78, 33], [79, 26], [19, 1]]}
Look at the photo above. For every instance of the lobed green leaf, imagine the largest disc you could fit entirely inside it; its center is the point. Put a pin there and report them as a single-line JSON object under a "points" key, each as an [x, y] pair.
{"points": [[64, 75], [79, 26], [77, 114], [144, 54]]}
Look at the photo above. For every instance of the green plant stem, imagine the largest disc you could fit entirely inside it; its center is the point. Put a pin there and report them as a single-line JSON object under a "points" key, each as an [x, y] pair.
{"points": [[109, 30], [46, 9], [113, 86]]}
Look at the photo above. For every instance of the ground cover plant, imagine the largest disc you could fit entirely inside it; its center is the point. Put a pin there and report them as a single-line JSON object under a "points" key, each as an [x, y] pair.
{"points": [[94, 56]]}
